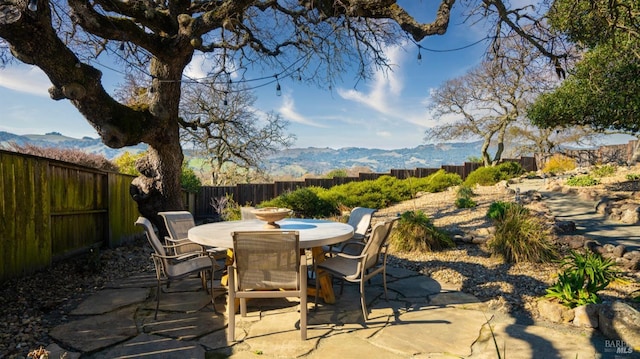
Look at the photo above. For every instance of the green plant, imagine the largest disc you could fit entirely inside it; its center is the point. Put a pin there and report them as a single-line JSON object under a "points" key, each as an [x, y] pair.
{"points": [[189, 180], [226, 208], [521, 237], [559, 163], [604, 171], [510, 169], [582, 181], [415, 232], [440, 181], [305, 202], [463, 199], [498, 209], [633, 177], [484, 176], [583, 276]]}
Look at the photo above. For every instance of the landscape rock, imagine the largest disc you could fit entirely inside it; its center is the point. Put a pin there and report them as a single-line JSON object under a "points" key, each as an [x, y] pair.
{"points": [[565, 227], [618, 320], [572, 241], [555, 312], [586, 316], [618, 251]]}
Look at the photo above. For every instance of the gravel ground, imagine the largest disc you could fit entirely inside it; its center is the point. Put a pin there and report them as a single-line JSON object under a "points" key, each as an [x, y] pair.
{"points": [[31, 306]]}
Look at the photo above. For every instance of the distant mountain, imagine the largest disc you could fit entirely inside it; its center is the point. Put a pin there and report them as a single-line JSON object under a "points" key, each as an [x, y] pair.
{"points": [[55, 139], [294, 162]]}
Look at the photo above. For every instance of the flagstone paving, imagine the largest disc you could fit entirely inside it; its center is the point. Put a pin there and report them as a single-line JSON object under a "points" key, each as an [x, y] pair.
{"points": [[420, 320]]}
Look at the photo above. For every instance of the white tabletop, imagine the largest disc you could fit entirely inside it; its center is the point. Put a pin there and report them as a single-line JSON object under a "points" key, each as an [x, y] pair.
{"points": [[313, 232]]}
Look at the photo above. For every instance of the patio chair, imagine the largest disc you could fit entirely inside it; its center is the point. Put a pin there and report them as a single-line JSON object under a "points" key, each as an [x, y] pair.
{"points": [[268, 264], [360, 220], [371, 260], [175, 267], [178, 224]]}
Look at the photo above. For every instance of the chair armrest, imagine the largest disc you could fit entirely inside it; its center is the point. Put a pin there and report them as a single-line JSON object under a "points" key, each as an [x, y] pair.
{"points": [[351, 244]]}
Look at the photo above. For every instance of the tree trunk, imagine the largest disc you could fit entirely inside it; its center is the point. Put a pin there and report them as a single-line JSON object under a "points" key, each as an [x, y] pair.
{"points": [[484, 150], [635, 157]]}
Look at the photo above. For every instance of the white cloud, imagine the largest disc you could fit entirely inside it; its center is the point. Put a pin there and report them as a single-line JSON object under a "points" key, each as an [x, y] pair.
{"points": [[27, 79], [288, 112]]}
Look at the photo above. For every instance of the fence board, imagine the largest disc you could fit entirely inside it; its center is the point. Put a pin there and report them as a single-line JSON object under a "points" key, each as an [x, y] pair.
{"points": [[123, 210]]}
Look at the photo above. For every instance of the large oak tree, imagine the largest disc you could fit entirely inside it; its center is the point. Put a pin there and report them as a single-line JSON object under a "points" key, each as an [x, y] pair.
{"points": [[319, 38]]}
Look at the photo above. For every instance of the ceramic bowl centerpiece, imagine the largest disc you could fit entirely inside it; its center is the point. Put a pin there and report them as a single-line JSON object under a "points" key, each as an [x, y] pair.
{"points": [[271, 215]]}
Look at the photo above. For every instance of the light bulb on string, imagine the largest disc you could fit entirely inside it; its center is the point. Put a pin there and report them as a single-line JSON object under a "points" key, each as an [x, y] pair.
{"points": [[225, 102], [33, 5], [278, 88], [419, 56], [122, 46]]}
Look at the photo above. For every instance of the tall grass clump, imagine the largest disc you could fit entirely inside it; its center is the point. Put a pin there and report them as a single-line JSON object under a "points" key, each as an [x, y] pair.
{"points": [[521, 237], [414, 231], [558, 164], [463, 197]]}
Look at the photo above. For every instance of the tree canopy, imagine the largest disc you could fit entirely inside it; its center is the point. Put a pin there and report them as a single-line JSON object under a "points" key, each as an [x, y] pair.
{"points": [[319, 39]]}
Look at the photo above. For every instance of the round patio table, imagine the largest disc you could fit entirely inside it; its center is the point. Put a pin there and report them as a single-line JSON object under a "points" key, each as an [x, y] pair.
{"points": [[314, 233]]}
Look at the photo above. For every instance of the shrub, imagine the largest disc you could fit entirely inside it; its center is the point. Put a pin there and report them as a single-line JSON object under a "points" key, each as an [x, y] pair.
{"points": [[441, 180], [304, 202], [582, 277], [189, 180], [582, 181], [510, 169], [498, 209], [71, 155], [633, 177], [559, 163], [415, 232], [227, 208], [521, 237], [463, 199], [604, 171], [484, 176]]}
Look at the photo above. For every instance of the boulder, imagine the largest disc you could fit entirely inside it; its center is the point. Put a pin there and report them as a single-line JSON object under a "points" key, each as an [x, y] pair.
{"points": [[555, 312], [586, 316], [565, 227], [630, 215], [620, 321]]}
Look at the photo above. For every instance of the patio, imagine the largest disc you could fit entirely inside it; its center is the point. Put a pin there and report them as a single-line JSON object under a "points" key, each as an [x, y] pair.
{"points": [[421, 318]]}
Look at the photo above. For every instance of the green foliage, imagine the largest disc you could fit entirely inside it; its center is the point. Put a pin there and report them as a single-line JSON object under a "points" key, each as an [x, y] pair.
{"points": [[582, 277], [558, 164], [582, 181], [498, 209], [474, 159], [604, 171], [510, 169], [521, 237], [227, 208], [633, 177], [305, 203], [126, 162], [414, 231], [440, 181], [463, 197], [189, 180], [337, 173], [484, 176]]}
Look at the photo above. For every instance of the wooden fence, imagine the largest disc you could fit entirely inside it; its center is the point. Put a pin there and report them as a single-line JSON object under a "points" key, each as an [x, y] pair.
{"points": [[51, 209], [253, 194]]}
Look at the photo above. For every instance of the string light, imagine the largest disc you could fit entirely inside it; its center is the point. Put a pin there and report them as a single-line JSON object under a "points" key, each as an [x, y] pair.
{"points": [[225, 102], [33, 5], [122, 46], [278, 88], [419, 56]]}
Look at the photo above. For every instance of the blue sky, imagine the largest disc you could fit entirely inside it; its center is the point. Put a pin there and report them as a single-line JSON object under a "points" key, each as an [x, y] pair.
{"points": [[389, 112]]}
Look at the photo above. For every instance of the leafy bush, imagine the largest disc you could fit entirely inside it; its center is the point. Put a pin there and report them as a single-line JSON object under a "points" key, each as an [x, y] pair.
{"points": [[227, 208], [463, 199], [441, 180], [71, 155], [484, 176], [604, 171], [304, 202], [415, 232], [583, 276], [582, 181], [521, 237], [189, 180], [510, 169], [559, 163], [633, 177]]}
